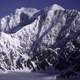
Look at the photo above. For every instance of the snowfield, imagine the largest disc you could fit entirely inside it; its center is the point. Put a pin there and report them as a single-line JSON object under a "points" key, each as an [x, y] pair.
{"points": [[25, 76], [33, 76]]}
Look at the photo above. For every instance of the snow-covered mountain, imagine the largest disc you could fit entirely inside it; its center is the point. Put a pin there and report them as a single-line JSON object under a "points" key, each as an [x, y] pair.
{"points": [[29, 30]]}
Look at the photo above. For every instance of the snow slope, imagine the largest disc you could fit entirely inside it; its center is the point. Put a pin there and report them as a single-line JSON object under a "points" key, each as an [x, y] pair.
{"points": [[26, 76]]}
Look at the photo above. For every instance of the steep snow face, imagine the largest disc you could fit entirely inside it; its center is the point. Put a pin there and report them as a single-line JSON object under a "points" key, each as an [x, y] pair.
{"points": [[34, 32], [30, 30], [14, 20]]}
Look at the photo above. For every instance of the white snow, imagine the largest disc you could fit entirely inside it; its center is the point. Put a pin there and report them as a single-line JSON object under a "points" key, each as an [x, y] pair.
{"points": [[26, 76]]}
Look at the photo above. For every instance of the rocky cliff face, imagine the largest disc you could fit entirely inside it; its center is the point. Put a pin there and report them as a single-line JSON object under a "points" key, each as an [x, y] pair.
{"points": [[29, 30]]}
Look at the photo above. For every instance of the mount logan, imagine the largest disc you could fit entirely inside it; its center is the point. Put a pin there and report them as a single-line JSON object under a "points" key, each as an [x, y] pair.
{"points": [[29, 30]]}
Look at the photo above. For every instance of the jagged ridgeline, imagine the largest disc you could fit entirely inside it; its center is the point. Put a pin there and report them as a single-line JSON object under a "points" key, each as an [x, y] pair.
{"points": [[30, 38]]}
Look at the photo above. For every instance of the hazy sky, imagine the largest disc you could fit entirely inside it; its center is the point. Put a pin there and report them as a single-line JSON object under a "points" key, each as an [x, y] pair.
{"points": [[8, 6]]}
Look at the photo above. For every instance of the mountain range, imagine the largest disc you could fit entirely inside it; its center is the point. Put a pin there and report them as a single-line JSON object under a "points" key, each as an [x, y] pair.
{"points": [[28, 30]]}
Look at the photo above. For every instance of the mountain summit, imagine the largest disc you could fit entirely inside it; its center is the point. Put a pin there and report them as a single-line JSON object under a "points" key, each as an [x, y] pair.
{"points": [[29, 30]]}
